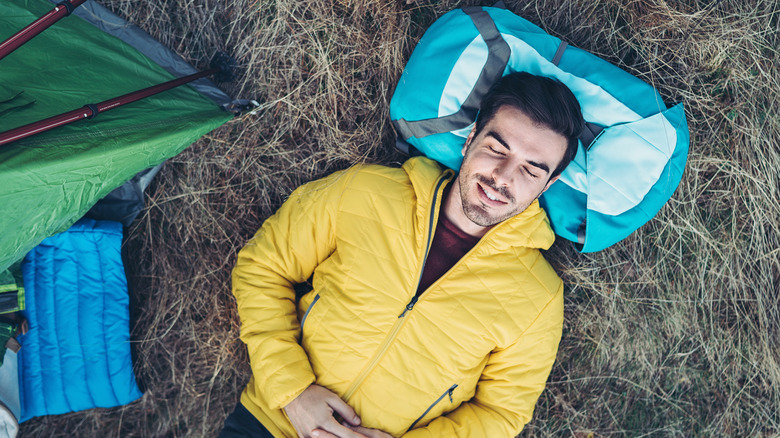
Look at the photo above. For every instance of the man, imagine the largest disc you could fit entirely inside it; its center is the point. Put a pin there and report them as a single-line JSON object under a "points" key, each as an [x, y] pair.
{"points": [[432, 313]]}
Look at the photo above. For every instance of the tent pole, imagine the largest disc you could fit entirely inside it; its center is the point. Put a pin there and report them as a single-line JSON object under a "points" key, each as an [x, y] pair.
{"points": [[91, 110], [63, 9]]}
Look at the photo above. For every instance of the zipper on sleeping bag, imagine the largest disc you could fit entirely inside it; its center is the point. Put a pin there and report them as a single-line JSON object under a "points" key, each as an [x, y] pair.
{"points": [[446, 393]]}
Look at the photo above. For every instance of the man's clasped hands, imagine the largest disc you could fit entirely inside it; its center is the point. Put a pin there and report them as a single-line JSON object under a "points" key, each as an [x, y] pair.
{"points": [[312, 415]]}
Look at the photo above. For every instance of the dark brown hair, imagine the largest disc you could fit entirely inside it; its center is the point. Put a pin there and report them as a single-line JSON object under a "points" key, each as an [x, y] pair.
{"points": [[546, 101]]}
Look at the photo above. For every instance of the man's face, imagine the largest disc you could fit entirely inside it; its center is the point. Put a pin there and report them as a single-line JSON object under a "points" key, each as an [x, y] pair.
{"points": [[504, 169]]}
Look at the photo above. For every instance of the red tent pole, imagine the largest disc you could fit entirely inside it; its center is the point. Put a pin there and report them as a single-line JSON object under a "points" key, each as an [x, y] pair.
{"points": [[91, 110], [62, 9]]}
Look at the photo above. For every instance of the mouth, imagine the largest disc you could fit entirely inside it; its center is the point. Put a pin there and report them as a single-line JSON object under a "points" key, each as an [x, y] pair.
{"points": [[488, 197]]}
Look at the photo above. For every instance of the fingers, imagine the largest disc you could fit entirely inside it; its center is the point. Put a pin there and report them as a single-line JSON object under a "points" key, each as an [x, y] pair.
{"points": [[364, 430], [370, 433], [342, 433], [344, 410], [316, 409]]}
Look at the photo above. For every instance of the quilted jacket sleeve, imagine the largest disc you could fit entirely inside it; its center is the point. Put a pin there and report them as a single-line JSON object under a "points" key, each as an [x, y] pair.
{"points": [[510, 384], [285, 251]]}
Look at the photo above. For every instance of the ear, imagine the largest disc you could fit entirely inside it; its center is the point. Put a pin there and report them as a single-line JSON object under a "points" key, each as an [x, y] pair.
{"points": [[468, 140], [550, 182]]}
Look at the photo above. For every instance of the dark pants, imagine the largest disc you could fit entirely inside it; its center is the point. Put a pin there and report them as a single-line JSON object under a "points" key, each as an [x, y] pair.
{"points": [[242, 424]]}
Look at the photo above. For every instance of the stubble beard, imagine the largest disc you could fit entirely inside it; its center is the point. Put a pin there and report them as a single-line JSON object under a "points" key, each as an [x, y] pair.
{"points": [[475, 212]]}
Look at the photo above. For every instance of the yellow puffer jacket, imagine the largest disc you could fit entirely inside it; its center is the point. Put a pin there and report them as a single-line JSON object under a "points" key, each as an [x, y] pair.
{"points": [[477, 346]]}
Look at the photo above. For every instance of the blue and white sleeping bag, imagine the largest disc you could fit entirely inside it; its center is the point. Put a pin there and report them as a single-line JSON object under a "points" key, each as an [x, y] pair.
{"points": [[630, 159]]}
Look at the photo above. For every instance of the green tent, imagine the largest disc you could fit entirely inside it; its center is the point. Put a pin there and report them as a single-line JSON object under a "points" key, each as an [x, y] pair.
{"points": [[48, 181]]}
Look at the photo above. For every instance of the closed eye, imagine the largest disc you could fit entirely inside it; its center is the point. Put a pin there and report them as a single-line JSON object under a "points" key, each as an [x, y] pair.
{"points": [[531, 174], [495, 151]]}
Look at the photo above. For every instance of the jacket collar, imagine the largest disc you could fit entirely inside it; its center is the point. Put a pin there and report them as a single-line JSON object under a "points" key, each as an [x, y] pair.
{"points": [[531, 228]]}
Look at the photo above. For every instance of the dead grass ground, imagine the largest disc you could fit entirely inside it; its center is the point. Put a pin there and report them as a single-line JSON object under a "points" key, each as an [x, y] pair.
{"points": [[672, 332]]}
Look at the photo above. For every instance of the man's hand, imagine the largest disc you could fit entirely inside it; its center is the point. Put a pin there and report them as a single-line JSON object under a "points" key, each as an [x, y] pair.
{"points": [[313, 411], [371, 433], [362, 431]]}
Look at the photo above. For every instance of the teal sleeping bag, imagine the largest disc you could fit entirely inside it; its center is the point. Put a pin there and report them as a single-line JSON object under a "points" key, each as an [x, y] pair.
{"points": [[76, 354], [630, 159]]}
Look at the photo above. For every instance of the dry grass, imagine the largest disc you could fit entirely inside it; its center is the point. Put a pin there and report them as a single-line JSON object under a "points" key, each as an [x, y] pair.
{"points": [[672, 332]]}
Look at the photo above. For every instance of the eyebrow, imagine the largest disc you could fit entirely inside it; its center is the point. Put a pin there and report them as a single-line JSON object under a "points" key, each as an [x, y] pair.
{"points": [[498, 138]]}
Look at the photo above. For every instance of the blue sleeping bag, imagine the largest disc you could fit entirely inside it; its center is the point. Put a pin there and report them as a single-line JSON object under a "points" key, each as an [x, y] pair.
{"points": [[76, 354], [630, 159]]}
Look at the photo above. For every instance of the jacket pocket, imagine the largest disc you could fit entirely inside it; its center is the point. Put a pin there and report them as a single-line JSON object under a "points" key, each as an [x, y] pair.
{"points": [[308, 309], [438, 400]]}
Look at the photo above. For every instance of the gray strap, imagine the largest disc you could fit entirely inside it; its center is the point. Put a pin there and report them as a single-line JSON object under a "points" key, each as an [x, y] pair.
{"points": [[581, 234], [591, 130], [559, 53], [498, 57], [403, 146], [589, 134]]}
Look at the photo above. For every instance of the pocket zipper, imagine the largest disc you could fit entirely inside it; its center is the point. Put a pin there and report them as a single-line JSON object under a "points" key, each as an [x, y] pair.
{"points": [[447, 392], [303, 320]]}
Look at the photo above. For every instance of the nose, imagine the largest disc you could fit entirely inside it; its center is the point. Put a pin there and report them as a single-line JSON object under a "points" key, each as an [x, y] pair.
{"points": [[503, 174]]}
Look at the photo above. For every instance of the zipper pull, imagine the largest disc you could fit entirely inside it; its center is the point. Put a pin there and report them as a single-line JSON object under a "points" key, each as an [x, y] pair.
{"points": [[409, 306], [451, 391]]}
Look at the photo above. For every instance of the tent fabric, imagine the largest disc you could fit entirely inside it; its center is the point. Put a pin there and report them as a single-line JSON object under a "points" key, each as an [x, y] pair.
{"points": [[622, 174], [105, 20], [9, 427], [126, 201], [9, 391], [52, 179], [7, 331], [11, 289], [76, 354]]}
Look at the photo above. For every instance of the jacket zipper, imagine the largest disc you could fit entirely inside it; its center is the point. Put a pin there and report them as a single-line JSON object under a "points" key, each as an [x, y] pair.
{"points": [[447, 392], [465, 256], [305, 315], [399, 322], [431, 227]]}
